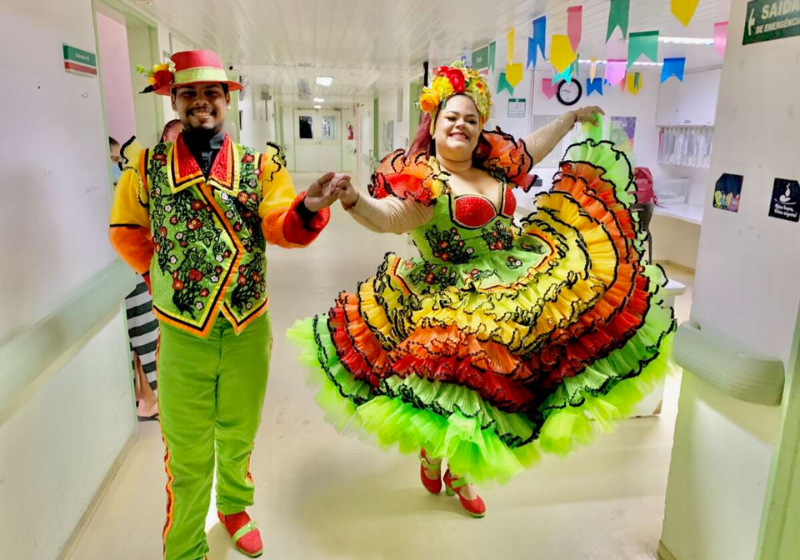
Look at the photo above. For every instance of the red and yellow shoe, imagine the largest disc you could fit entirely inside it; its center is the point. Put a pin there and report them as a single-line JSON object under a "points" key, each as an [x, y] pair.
{"points": [[476, 507], [244, 533], [432, 485]]}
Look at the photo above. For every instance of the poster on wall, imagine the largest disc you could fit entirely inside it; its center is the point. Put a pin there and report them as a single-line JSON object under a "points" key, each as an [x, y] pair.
{"points": [[785, 200], [623, 130], [516, 108], [728, 192]]}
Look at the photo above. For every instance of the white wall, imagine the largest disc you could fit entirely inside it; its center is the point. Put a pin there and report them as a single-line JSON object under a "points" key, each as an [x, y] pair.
{"points": [[746, 289], [116, 77], [57, 445], [258, 119], [388, 99], [54, 166]]}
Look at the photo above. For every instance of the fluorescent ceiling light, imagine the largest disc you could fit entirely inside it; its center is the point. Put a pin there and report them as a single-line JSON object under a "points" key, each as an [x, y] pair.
{"points": [[317, 106], [686, 40], [319, 100], [582, 61], [324, 81]]}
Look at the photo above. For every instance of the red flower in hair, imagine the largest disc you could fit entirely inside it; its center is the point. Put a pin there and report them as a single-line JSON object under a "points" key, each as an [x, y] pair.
{"points": [[454, 76]]}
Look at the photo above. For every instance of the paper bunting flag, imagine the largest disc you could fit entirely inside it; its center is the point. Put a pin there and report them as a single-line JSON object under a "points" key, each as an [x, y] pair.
{"points": [[615, 71], [623, 85], [504, 84], [683, 10], [513, 70], [720, 37], [634, 83], [575, 26], [593, 69], [565, 76], [549, 88], [673, 67], [536, 43], [594, 85], [561, 54], [514, 73], [645, 43], [618, 17], [492, 49]]}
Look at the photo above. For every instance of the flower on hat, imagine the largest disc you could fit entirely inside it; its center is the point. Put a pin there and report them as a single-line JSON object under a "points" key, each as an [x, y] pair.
{"points": [[161, 75]]}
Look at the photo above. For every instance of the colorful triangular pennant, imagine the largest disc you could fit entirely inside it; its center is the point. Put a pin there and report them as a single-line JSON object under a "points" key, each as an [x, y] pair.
{"points": [[549, 88], [720, 37], [575, 26], [642, 44], [537, 42], [618, 17], [561, 54], [504, 84], [594, 86], [683, 10], [673, 67], [615, 71]]}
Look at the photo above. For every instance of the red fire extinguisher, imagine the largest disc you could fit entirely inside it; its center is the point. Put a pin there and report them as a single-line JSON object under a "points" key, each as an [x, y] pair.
{"points": [[349, 131]]}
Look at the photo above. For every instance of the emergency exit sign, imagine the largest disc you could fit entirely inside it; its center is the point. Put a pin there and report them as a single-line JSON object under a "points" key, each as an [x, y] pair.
{"points": [[79, 62], [768, 20]]}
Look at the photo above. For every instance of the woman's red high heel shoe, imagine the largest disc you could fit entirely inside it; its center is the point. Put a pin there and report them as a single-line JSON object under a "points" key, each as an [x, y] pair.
{"points": [[432, 485], [476, 507]]}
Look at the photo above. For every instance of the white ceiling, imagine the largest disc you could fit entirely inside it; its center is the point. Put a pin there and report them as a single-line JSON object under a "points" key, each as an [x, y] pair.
{"points": [[365, 44]]}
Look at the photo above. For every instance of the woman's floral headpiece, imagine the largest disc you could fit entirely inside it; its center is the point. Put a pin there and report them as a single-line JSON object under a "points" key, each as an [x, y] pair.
{"points": [[160, 76], [456, 79]]}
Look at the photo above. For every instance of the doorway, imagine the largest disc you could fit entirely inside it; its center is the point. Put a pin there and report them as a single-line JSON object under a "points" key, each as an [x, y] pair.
{"points": [[318, 141]]}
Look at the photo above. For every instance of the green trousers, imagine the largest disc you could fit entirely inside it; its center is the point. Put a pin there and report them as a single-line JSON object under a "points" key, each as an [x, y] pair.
{"points": [[211, 392]]}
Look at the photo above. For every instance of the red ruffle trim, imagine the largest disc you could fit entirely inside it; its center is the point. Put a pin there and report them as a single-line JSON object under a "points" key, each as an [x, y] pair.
{"points": [[509, 158]]}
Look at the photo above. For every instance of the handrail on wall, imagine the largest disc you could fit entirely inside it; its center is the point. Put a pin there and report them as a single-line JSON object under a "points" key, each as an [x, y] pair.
{"points": [[29, 354], [728, 367]]}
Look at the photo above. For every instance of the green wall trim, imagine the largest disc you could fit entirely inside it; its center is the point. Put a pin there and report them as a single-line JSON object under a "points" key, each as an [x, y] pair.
{"points": [[376, 130], [64, 332]]}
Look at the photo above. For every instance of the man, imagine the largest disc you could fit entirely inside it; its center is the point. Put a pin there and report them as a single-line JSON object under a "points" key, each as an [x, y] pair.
{"points": [[194, 218]]}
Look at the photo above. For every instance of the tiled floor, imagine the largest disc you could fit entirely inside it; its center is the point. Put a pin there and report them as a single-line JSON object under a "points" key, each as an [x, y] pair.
{"points": [[324, 496]]}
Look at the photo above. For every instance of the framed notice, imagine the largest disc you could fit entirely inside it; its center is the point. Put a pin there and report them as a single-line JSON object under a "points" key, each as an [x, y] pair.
{"points": [[516, 108]]}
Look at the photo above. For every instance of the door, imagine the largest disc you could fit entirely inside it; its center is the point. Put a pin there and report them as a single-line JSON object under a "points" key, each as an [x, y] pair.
{"points": [[318, 143]]}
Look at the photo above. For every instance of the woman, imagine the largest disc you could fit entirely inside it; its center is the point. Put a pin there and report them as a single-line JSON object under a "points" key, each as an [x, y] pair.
{"points": [[499, 341]]}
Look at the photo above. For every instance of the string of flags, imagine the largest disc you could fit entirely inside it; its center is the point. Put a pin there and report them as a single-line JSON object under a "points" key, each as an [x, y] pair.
{"points": [[565, 58]]}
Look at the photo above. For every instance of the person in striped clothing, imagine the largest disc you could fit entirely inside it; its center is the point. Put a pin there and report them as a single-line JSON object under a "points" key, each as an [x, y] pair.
{"points": [[143, 335]]}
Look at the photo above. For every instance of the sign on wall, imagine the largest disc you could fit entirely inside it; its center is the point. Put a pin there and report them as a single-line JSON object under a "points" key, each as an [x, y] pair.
{"points": [[516, 108], [77, 61], [785, 200], [768, 20], [480, 58], [728, 192]]}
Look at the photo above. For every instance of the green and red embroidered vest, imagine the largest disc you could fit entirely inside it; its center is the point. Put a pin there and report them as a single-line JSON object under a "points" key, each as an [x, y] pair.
{"points": [[209, 245]]}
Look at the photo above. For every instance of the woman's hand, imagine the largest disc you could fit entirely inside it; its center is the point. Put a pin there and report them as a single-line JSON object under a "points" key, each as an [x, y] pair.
{"points": [[588, 115], [348, 194], [324, 191]]}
